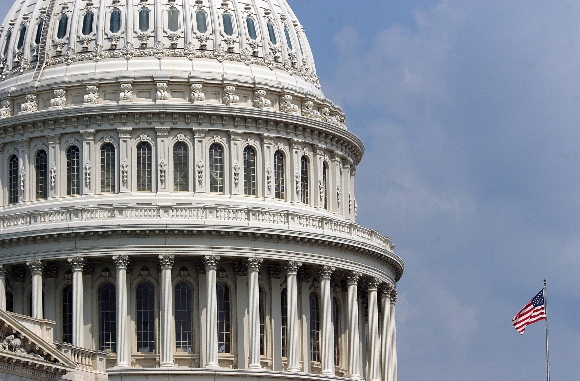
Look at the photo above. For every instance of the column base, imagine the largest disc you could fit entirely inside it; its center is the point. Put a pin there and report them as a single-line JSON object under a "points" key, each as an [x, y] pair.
{"points": [[294, 369], [212, 366], [328, 372], [255, 367], [122, 365], [167, 365]]}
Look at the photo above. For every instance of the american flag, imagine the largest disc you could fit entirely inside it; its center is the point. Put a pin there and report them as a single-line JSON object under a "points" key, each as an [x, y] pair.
{"points": [[532, 312]]}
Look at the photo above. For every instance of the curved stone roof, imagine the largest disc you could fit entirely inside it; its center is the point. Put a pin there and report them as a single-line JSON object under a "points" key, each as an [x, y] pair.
{"points": [[257, 40]]}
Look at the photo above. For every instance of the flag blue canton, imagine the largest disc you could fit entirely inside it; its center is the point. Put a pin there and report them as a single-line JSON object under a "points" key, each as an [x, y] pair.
{"points": [[538, 299]]}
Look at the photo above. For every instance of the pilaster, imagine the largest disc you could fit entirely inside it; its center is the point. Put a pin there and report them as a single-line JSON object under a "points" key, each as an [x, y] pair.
{"points": [[200, 171], [54, 167], [237, 164], [3, 287], [166, 311], [254, 311], [268, 167], [385, 294], [163, 159], [88, 163], [373, 333], [24, 187], [125, 159], [304, 280], [276, 317], [243, 308]]}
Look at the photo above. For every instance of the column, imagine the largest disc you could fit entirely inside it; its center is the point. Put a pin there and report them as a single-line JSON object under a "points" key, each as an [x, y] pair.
{"points": [[392, 335], [254, 311], [167, 318], [327, 332], [292, 292], [3, 271], [304, 281], [385, 292], [353, 326], [88, 161], [123, 350], [77, 263], [3, 176], [88, 269], [352, 199], [242, 307], [276, 317], [49, 286], [19, 274], [210, 262], [36, 270], [373, 341], [320, 190]]}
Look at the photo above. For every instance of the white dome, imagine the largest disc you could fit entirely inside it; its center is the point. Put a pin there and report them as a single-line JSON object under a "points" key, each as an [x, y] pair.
{"points": [[204, 38]]}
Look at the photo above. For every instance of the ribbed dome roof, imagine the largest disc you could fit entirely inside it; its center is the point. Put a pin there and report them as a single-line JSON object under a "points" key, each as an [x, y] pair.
{"points": [[253, 40]]}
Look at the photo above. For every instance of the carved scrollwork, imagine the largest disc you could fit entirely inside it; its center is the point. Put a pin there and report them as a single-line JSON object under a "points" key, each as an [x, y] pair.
{"points": [[126, 93], [77, 263], [197, 94], [92, 96], [166, 261], [162, 170], [59, 100], [230, 95], [200, 166], [286, 105], [162, 91], [30, 105], [260, 101], [292, 267], [210, 262], [6, 110], [326, 272], [121, 261]]}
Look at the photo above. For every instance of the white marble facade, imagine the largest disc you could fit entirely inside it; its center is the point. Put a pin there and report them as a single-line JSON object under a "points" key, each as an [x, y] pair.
{"points": [[177, 197]]}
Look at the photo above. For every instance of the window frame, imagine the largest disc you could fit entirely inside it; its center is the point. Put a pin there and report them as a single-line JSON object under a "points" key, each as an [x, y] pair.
{"points": [[73, 177], [305, 179], [191, 316], [210, 170], [250, 175], [227, 320], [150, 313], [148, 167], [115, 167], [41, 175], [280, 181], [187, 170], [112, 322], [13, 178]]}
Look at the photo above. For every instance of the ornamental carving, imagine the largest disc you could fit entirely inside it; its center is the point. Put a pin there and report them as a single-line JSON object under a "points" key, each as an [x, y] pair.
{"points": [[162, 91], [298, 183], [287, 106], [92, 95], [309, 111], [76, 263], [236, 174], [166, 261], [210, 262], [326, 272], [22, 179], [35, 266], [269, 179], [125, 172], [196, 93], [385, 289], [121, 261], [352, 277], [200, 166], [292, 267], [304, 275], [338, 195], [126, 94], [88, 174], [254, 264], [52, 176], [13, 343], [162, 170], [144, 272], [230, 95], [30, 105], [321, 190], [59, 100], [372, 284], [394, 295], [260, 100], [6, 110]]}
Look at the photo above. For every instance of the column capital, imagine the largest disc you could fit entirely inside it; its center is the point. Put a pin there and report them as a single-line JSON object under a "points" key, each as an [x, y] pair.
{"points": [[372, 284], [166, 261], [326, 271], [210, 262], [121, 261], [35, 266], [76, 263], [385, 289], [292, 267], [394, 295], [3, 271], [254, 263], [88, 134], [352, 277]]}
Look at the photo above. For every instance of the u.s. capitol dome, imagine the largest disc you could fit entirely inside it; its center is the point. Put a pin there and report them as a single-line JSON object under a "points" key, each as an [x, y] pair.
{"points": [[177, 200]]}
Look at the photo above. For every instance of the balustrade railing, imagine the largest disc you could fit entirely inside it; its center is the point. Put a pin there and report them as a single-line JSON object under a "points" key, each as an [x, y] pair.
{"points": [[86, 359]]}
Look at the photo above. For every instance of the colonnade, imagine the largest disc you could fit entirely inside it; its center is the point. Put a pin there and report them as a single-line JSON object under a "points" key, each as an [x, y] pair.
{"points": [[381, 356]]}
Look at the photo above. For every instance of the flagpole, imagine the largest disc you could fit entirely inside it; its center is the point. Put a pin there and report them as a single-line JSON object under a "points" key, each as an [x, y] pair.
{"points": [[547, 348]]}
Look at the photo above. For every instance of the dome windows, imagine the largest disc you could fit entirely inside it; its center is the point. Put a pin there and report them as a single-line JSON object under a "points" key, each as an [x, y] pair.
{"points": [[7, 43], [41, 171], [288, 40], [108, 168], [228, 26], [180, 167], [144, 19], [216, 168], [249, 171], [201, 21], [304, 186], [279, 183], [73, 171], [144, 167], [272, 33], [88, 23], [13, 179], [173, 19], [62, 27], [251, 28], [115, 21], [38, 35], [21, 37]]}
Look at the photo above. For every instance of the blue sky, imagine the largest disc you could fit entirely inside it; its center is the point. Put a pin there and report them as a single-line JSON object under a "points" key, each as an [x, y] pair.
{"points": [[470, 111]]}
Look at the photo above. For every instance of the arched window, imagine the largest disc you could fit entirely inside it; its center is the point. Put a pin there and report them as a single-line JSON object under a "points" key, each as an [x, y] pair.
{"points": [[183, 317], [200, 20], [108, 168], [9, 301], [228, 26], [325, 185], [271, 33], [73, 171], [62, 27], [144, 167], [279, 182], [173, 19], [20, 43], [88, 23], [67, 314], [107, 318], [13, 180], [262, 313], [7, 43], [41, 171], [38, 35], [145, 300], [224, 321], [180, 167], [216, 168], [304, 186], [288, 40], [251, 28], [115, 21], [314, 328], [336, 328], [144, 19], [249, 171], [284, 321]]}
